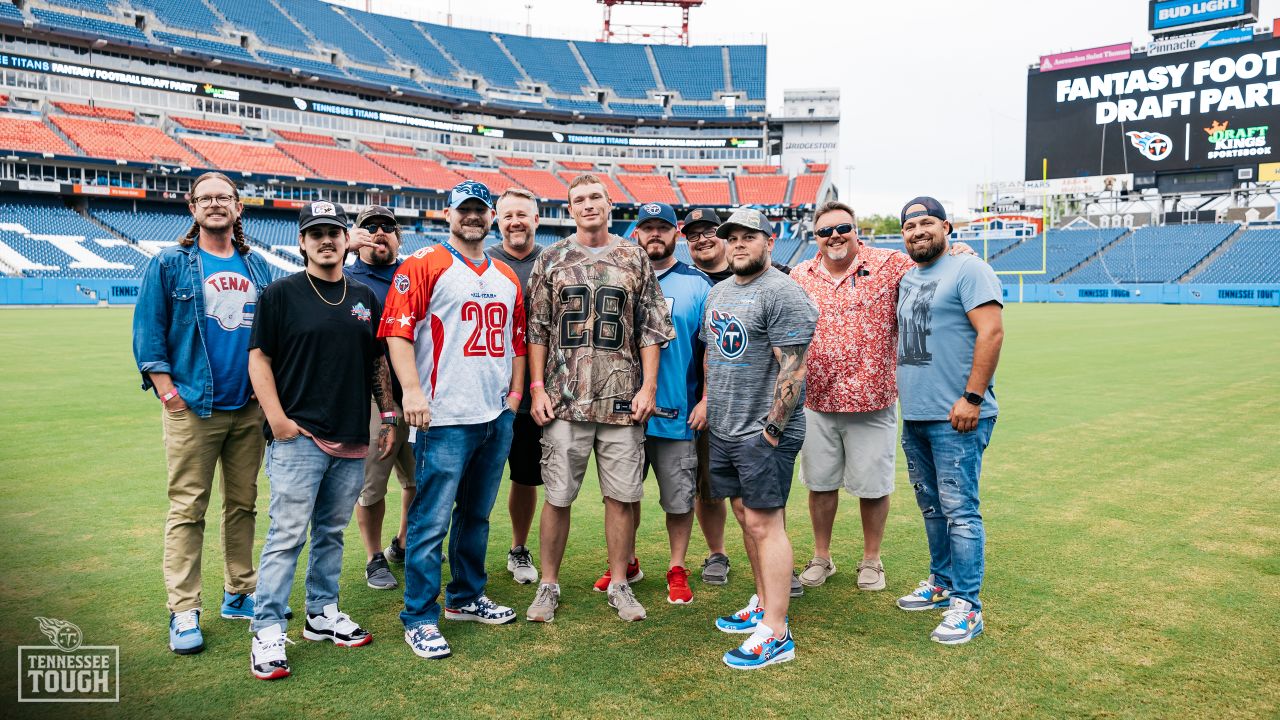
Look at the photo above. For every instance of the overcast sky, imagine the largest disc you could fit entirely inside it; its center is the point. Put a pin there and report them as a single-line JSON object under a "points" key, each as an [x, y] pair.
{"points": [[933, 92]]}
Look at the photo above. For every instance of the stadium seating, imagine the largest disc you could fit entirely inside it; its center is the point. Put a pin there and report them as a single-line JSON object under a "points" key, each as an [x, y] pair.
{"points": [[615, 192], [97, 6], [1253, 258], [142, 222], [705, 192], [516, 161], [548, 61], [207, 47], [381, 79], [1065, 249], [266, 22], [95, 111], [578, 166], [637, 167], [404, 40], [251, 157], [579, 106], [142, 143], [747, 66], [418, 172], [649, 188], [539, 182], [761, 189], [338, 164], [493, 179], [805, 191], [304, 65], [212, 126], [391, 148], [696, 72], [10, 12], [458, 156], [333, 29], [700, 169], [1155, 254], [44, 215], [637, 109], [624, 68], [30, 135], [761, 169], [476, 51], [193, 16], [699, 111], [93, 27], [309, 138], [816, 167]]}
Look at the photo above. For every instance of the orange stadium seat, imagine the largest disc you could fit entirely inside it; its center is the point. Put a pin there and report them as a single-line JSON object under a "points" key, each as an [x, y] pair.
{"points": [[805, 190], [457, 156], [637, 168], [309, 138], [762, 169], [700, 169], [30, 136], [418, 172], [339, 164], [767, 190], [388, 147], [516, 161], [816, 167], [208, 125], [539, 182], [494, 180], [649, 188], [705, 192], [575, 165], [142, 143], [247, 157], [94, 111], [616, 193]]}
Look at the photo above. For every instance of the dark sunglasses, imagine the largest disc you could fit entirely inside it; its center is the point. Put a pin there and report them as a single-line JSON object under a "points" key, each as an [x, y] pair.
{"points": [[388, 228], [842, 228]]}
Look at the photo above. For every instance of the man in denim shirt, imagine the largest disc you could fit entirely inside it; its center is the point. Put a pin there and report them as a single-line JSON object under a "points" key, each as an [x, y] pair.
{"points": [[190, 339]]}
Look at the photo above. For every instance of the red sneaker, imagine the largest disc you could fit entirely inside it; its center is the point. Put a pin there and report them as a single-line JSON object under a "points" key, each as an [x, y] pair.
{"points": [[634, 575], [678, 591]]}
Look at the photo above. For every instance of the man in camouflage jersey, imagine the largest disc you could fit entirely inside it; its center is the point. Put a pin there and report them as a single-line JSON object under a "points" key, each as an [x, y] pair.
{"points": [[596, 326]]}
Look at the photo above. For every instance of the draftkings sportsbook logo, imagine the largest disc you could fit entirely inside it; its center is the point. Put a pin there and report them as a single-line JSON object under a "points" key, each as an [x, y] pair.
{"points": [[1238, 142], [67, 670]]}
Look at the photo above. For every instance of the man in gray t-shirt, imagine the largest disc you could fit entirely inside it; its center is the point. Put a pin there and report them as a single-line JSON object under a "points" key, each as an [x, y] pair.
{"points": [[757, 327], [950, 331]]}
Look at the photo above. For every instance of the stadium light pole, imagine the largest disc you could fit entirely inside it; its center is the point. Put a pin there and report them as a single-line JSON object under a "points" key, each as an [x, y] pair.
{"points": [[848, 171], [528, 20]]}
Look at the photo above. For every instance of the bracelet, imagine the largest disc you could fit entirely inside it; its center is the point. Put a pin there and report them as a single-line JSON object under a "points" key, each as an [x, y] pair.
{"points": [[386, 415], [165, 398], [389, 418], [536, 384], [517, 395]]}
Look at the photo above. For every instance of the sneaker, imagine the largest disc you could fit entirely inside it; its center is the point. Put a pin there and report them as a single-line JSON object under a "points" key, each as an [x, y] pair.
{"points": [[715, 569], [817, 571], [544, 604], [796, 588], [394, 551], [337, 627], [743, 621], [267, 660], [927, 596], [185, 637], [482, 610], [960, 624], [678, 591], [622, 599], [427, 642], [377, 574], [871, 576], [237, 607], [520, 565], [634, 574], [762, 649]]}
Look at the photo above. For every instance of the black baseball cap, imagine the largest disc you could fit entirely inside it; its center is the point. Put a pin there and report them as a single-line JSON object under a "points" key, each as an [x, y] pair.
{"points": [[321, 212], [375, 211], [931, 207], [701, 215]]}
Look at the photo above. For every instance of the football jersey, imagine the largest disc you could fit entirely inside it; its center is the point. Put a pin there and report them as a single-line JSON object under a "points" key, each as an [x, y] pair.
{"points": [[685, 290], [466, 322], [594, 308]]}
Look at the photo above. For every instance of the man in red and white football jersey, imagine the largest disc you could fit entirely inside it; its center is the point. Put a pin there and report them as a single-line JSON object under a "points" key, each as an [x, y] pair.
{"points": [[454, 322]]}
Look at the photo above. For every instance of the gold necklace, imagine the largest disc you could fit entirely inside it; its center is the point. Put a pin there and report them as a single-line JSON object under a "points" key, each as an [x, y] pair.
{"points": [[326, 302]]}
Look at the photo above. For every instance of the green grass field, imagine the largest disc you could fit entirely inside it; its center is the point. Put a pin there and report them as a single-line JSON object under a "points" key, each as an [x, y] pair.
{"points": [[1131, 497]]}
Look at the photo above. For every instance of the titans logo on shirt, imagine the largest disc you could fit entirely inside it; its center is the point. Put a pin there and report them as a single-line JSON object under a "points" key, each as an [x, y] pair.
{"points": [[731, 336]]}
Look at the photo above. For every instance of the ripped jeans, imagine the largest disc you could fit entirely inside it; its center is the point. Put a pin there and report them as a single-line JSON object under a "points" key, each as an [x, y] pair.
{"points": [[944, 466]]}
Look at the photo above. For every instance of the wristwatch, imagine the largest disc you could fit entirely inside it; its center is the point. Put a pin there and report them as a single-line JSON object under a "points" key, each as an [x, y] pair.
{"points": [[973, 398], [773, 431]]}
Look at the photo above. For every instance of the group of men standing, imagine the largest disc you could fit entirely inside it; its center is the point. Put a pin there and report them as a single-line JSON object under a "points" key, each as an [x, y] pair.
{"points": [[698, 372]]}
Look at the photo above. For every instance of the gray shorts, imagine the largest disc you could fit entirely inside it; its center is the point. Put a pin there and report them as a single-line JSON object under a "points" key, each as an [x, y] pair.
{"points": [[675, 464], [567, 445], [378, 472], [856, 451]]}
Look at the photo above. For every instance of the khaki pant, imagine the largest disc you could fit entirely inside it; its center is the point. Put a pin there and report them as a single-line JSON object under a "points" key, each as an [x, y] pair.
{"points": [[193, 447]]}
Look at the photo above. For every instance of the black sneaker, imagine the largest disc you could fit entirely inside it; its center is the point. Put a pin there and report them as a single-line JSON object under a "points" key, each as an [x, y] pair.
{"points": [[377, 575], [394, 552], [796, 588], [715, 569]]}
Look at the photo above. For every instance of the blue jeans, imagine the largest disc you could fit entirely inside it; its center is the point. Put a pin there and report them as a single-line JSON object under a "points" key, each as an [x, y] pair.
{"points": [[944, 466], [307, 487], [458, 474]]}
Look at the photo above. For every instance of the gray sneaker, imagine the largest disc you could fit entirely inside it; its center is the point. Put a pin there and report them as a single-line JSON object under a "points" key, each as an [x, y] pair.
{"points": [[715, 569], [622, 599], [544, 604], [796, 588], [377, 574], [520, 564], [394, 552]]}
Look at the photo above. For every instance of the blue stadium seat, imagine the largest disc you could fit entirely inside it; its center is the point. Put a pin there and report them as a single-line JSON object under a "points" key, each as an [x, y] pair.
{"points": [[636, 109], [1066, 249], [381, 78], [311, 67], [88, 25], [698, 111], [208, 47], [548, 61], [747, 66], [582, 106], [193, 16], [452, 91], [10, 12], [621, 66], [476, 51], [334, 29], [744, 109], [697, 72], [145, 223], [1155, 254], [405, 41], [265, 21], [1254, 258], [98, 6]]}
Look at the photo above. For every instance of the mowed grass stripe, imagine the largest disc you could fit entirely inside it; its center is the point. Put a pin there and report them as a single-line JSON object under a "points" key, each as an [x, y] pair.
{"points": [[1130, 496]]}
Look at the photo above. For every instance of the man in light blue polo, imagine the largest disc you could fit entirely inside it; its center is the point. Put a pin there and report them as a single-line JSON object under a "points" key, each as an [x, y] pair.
{"points": [[950, 331]]}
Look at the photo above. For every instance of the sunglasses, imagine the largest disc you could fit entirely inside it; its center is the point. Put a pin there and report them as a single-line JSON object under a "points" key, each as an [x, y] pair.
{"points": [[842, 228], [388, 228]]}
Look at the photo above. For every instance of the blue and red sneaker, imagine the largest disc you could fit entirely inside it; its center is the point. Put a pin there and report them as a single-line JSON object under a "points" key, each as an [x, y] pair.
{"points": [[928, 596], [743, 621], [762, 649]]}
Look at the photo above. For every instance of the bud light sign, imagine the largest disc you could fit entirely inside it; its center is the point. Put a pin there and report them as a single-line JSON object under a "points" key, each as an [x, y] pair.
{"points": [[1169, 15]]}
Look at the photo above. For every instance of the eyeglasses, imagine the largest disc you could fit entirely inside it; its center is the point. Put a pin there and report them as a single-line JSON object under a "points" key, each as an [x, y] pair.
{"points": [[842, 228], [696, 235], [205, 201], [388, 228]]}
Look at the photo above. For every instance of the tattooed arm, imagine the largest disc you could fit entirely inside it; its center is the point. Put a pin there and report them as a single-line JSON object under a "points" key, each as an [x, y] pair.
{"points": [[786, 392], [382, 396]]}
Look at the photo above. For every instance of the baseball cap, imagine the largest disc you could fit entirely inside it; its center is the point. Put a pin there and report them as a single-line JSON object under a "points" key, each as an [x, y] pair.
{"points": [[931, 207], [468, 189], [321, 212], [661, 211], [701, 215], [749, 218], [374, 211]]}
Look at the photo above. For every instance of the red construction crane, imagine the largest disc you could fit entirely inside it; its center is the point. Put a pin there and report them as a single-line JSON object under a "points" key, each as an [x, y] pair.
{"points": [[662, 33]]}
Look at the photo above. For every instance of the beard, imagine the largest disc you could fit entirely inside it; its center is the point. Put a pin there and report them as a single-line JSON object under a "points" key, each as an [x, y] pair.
{"points": [[926, 253], [469, 233], [656, 254], [750, 266]]}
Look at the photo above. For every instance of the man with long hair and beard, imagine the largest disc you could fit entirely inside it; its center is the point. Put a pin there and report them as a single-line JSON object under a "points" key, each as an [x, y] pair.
{"points": [[190, 339]]}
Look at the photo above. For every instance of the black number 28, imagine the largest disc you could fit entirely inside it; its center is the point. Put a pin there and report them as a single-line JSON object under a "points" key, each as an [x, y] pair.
{"points": [[606, 330]]}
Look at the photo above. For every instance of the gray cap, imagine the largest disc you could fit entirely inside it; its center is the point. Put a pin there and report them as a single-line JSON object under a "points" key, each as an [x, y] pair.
{"points": [[749, 218]]}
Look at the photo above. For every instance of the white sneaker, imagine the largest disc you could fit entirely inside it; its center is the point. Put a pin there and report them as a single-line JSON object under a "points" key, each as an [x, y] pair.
{"points": [[520, 565], [337, 627], [543, 608], [267, 659], [427, 642], [622, 599], [960, 623]]}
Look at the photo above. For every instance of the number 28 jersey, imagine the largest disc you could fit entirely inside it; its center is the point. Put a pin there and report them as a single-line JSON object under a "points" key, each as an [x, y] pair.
{"points": [[466, 323], [594, 308]]}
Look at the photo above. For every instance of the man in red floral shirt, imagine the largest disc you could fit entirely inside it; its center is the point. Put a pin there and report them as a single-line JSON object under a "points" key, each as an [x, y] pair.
{"points": [[851, 386]]}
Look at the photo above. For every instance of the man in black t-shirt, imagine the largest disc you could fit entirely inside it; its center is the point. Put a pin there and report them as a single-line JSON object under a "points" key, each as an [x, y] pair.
{"points": [[315, 360]]}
